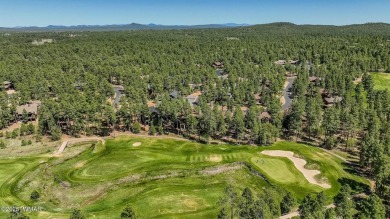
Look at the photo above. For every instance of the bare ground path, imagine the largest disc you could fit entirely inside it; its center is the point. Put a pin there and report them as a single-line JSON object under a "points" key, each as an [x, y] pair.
{"points": [[77, 140]]}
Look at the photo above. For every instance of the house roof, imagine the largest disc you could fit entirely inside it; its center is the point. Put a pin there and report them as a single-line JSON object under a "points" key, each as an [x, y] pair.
{"points": [[313, 78], [293, 62], [30, 108], [151, 103], [174, 94], [265, 115], [152, 107], [119, 87], [7, 82], [220, 72], [244, 109], [257, 96], [38, 102], [193, 98], [331, 100], [281, 62], [217, 64]]}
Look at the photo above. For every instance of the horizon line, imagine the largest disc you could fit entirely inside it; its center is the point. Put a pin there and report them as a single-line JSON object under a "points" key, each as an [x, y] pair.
{"points": [[190, 25]]}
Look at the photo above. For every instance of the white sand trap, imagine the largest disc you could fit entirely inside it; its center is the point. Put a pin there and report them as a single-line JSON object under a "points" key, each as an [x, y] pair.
{"points": [[137, 144], [215, 158], [300, 165]]}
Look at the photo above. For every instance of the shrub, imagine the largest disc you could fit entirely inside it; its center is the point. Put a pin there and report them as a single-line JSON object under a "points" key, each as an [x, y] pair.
{"points": [[77, 214], [2, 145], [152, 130], [38, 137], [136, 128], [56, 133], [15, 133], [34, 195], [129, 213]]}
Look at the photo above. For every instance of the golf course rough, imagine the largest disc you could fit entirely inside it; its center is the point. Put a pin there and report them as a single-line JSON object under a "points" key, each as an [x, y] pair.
{"points": [[162, 178]]}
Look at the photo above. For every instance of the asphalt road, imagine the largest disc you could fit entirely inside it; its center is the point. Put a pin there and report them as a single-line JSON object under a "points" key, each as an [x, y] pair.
{"points": [[288, 100]]}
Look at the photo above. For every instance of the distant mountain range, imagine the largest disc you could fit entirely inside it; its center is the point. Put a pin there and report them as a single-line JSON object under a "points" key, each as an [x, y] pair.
{"points": [[132, 26], [279, 26]]}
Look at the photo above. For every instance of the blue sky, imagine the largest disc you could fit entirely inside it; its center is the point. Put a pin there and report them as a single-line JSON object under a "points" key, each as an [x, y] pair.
{"points": [[189, 12]]}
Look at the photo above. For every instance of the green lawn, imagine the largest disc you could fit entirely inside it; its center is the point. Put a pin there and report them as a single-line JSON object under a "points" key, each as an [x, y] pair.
{"points": [[280, 170], [162, 178], [381, 81]]}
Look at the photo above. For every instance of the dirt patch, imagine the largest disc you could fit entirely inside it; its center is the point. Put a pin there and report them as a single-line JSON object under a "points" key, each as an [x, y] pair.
{"points": [[190, 203], [137, 144], [358, 80], [215, 158], [300, 165], [282, 100], [221, 169], [80, 164]]}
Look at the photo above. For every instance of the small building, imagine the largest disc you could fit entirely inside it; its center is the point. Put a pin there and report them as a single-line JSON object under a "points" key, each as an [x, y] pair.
{"points": [[291, 74], [31, 109], [174, 94], [331, 101], [281, 62], [313, 79], [257, 97], [119, 88], [265, 117], [284, 62], [221, 74], [244, 110], [193, 98], [7, 85], [294, 62], [218, 65], [152, 107]]}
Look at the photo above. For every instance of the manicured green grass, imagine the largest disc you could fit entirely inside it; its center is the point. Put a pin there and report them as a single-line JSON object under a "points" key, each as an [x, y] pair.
{"points": [[279, 170], [381, 81], [162, 178]]}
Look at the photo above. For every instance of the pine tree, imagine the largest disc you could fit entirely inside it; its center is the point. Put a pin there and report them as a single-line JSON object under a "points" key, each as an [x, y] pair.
{"points": [[238, 123], [287, 203], [129, 213], [344, 203]]}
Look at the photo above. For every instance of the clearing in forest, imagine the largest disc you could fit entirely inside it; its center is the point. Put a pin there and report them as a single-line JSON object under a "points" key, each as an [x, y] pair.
{"points": [[381, 81]]}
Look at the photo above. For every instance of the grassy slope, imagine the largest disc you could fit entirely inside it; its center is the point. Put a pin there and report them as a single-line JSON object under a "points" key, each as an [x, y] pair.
{"points": [[381, 80], [104, 179]]}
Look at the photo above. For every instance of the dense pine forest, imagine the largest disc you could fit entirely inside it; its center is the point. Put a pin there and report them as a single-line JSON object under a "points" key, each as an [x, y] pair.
{"points": [[208, 84]]}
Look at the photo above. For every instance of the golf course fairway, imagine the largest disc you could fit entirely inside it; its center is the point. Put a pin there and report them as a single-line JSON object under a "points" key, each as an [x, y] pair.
{"points": [[160, 177]]}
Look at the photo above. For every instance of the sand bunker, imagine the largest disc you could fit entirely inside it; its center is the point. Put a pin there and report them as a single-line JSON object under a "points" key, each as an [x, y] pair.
{"points": [[137, 144], [300, 165], [215, 158]]}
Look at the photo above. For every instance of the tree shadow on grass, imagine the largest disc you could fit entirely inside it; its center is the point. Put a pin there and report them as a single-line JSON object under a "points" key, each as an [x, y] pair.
{"points": [[357, 187], [355, 169]]}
